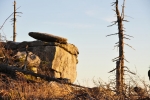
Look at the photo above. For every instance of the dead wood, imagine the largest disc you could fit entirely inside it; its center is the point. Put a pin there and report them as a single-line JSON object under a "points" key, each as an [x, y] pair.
{"points": [[12, 70]]}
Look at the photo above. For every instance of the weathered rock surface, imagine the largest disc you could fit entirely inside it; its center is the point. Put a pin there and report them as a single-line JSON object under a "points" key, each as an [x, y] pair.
{"points": [[57, 60], [47, 37], [32, 63]]}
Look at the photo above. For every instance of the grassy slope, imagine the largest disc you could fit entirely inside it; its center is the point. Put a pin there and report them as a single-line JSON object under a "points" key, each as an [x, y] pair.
{"points": [[17, 87]]}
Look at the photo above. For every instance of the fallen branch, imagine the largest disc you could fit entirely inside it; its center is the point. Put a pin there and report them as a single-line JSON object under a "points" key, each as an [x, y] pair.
{"points": [[12, 70]]}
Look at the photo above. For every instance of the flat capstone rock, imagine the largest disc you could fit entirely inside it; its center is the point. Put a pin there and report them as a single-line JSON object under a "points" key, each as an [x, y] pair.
{"points": [[47, 37]]}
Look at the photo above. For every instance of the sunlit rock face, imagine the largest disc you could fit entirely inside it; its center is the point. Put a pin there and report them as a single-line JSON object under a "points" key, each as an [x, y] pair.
{"points": [[57, 60]]}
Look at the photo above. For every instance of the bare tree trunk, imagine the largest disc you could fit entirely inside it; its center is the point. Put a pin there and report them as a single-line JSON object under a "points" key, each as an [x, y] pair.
{"points": [[14, 24], [118, 77], [120, 59], [120, 62]]}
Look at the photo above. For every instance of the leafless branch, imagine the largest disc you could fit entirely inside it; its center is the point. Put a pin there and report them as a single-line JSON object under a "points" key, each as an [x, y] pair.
{"points": [[115, 59], [112, 24], [129, 35], [125, 20], [112, 34], [5, 21], [13, 70], [19, 12], [126, 38], [112, 70], [128, 16], [8, 18], [129, 46], [124, 30], [116, 46], [126, 60], [122, 13], [113, 3], [114, 10], [116, 42], [18, 15], [130, 72]]}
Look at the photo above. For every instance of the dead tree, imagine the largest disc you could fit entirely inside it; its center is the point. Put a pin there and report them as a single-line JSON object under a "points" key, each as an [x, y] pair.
{"points": [[14, 21], [120, 44], [14, 24], [8, 18]]}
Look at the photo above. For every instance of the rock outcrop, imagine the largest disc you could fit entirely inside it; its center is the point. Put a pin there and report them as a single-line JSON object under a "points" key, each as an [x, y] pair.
{"points": [[58, 60], [47, 37]]}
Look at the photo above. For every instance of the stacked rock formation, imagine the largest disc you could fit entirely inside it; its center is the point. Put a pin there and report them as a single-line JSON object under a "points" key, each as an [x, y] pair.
{"points": [[57, 57]]}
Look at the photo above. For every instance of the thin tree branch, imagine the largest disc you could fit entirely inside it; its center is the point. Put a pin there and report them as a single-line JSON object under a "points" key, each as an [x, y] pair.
{"points": [[126, 60], [18, 15], [122, 13], [114, 10], [113, 3], [112, 70], [124, 30], [126, 38], [129, 46], [130, 72], [112, 24], [125, 20], [112, 34], [115, 59], [116, 45], [128, 16], [129, 35], [117, 48], [116, 42], [8, 18], [19, 12]]}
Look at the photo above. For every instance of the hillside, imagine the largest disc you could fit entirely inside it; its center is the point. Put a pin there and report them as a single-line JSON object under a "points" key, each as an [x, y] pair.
{"points": [[21, 85]]}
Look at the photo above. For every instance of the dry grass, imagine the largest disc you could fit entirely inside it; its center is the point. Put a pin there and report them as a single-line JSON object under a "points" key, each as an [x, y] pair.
{"points": [[17, 87]]}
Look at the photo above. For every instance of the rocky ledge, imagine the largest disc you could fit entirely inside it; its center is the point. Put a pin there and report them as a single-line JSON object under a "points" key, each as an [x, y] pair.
{"points": [[58, 59]]}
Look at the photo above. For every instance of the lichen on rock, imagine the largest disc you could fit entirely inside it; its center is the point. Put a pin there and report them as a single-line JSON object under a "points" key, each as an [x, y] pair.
{"points": [[33, 61]]}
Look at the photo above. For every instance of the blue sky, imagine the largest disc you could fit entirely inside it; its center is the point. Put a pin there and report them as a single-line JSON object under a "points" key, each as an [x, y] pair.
{"points": [[84, 23]]}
